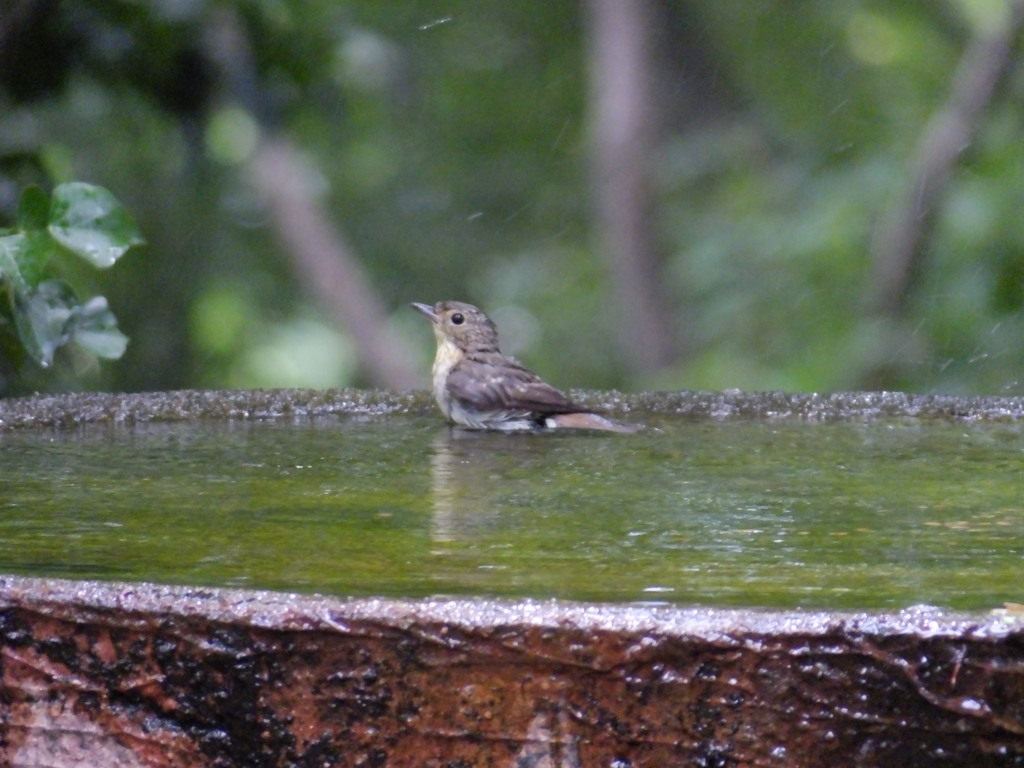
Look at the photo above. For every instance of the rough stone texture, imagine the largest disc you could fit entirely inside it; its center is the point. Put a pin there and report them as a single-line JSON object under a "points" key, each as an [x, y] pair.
{"points": [[139, 675], [183, 405], [102, 408]]}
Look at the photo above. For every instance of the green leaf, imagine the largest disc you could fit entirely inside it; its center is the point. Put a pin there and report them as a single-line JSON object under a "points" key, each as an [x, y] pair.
{"points": [[35, 254], [50, 317], [42, 317], [23, 257], [30, 252], [94, 328], [11, 247], [25, 251], [33, 209], [89, 221]]}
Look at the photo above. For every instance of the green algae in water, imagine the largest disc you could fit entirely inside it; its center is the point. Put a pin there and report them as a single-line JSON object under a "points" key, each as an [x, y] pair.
{"points": [[871, 515]]}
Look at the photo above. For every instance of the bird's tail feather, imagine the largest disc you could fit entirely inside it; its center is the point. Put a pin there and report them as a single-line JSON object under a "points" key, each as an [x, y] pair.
{"points": [[584, 420]]}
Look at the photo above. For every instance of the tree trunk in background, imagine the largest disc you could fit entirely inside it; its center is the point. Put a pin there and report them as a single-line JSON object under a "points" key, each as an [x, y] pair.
{"points": [[898, 248], [624, 124], [325, 263]]}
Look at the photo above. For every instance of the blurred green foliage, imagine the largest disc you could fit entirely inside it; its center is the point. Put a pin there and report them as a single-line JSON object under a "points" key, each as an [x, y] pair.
{"points": [[450, 144], [41, 315]]}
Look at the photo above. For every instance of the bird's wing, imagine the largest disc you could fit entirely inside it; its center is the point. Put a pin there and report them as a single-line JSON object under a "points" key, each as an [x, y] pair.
{"points": [[504, 385]]}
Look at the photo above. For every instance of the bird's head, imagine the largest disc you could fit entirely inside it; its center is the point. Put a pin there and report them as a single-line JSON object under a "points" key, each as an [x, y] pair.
{"points": [[461, 324]]}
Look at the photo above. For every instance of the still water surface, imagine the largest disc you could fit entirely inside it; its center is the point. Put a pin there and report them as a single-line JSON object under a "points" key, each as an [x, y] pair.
{"points": [[875, 515]]}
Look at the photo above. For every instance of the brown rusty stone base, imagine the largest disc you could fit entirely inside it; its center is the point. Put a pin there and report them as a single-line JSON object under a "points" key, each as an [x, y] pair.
{"points": [[139, 675]]}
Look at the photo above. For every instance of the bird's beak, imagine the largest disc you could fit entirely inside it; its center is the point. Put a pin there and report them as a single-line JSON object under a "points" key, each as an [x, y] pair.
{"points": [[426, 309]]}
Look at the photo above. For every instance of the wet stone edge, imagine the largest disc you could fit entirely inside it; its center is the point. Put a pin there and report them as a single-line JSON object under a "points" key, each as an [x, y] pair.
{"points": [[69, 410]]}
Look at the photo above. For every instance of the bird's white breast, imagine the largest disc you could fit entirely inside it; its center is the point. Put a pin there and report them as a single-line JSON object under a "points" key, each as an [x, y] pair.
{"points": [[447, 356]]}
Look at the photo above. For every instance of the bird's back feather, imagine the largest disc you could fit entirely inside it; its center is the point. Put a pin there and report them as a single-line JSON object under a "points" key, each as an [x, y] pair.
{"points": [[494, 382]]}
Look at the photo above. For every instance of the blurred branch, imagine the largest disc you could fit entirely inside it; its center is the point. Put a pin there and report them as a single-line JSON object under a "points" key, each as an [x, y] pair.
{"points": [[324, 261], [327, 265], [625, 127], [898, 248]]}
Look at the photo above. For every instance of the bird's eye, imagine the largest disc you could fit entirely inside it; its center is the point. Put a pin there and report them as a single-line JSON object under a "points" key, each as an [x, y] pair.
{"points": [[458, 319]]}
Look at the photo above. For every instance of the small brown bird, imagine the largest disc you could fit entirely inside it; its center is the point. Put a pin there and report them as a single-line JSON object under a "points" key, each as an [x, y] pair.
{"points": [[476, 386]]}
